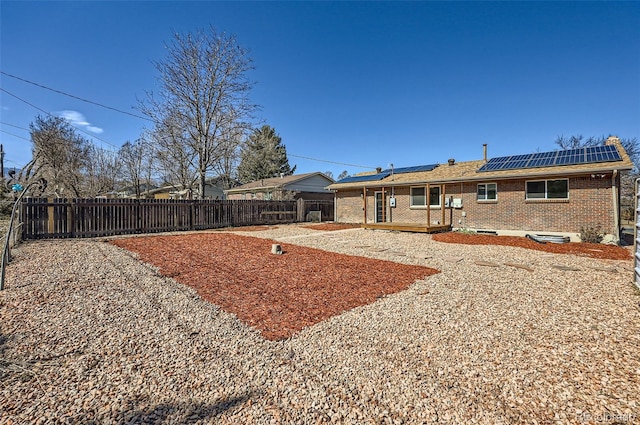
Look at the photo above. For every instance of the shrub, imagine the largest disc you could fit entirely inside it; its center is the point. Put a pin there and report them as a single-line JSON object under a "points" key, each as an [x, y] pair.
{"points": [[5, 207], [627, 213], [466, 231], [591, 234]]}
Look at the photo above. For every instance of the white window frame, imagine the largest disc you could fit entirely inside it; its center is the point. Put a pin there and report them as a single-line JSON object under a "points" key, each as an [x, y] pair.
{"points": [[411, 204], [546, 190], [486, 192], [439, 197]]}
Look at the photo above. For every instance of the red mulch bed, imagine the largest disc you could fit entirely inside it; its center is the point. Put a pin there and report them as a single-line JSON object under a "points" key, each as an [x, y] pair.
{"points": [[593, 250], [277, 294], [332, 226]]}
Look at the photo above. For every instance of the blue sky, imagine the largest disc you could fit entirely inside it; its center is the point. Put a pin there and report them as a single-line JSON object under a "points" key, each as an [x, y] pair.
{"points": [[363, 83]]}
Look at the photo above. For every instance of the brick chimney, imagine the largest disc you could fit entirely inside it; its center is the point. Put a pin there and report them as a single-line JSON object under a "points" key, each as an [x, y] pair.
{"points": [[612, 140]]}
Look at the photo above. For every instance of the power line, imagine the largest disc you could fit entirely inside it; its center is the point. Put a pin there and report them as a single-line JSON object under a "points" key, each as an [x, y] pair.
{"points": [[16, 126], [331, 162], [51, 115], [130, 114], [13, 162], [75, 97], [15, 135], [127, 113]]}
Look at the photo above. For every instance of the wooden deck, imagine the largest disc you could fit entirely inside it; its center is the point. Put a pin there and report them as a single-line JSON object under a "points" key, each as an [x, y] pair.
{"points": [[407, 227]]}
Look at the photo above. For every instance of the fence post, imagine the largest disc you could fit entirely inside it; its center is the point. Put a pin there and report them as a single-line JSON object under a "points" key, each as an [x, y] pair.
{"points": [[300, 209], [192, 213], [138, 210], [71, 223]]}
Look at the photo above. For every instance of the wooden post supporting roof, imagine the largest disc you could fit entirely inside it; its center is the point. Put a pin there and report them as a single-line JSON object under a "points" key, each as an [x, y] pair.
{"points": [[364, 206], [384, 210], [428, 194], [442, 203]]}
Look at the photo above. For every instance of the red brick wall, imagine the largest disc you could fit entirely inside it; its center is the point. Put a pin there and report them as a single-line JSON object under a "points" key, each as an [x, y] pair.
{"points": [[349, 206], [590, 203]]}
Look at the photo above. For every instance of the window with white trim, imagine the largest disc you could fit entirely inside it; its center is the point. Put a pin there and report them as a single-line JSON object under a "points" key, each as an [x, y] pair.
{"points": [[547, 189], [418, 198], [487, 192]]}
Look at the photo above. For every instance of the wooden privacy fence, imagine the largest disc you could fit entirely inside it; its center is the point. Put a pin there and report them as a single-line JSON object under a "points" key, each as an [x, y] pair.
{"points": [[44, 218]]}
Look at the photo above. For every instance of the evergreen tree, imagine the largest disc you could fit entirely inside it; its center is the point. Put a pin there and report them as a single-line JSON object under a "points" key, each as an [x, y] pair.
{"points": [[263, 156]]}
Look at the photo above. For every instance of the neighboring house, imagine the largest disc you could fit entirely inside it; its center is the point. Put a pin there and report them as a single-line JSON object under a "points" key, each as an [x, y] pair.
{"points": [[211, 191], [310, 186], [127, 192], [556, 192]]}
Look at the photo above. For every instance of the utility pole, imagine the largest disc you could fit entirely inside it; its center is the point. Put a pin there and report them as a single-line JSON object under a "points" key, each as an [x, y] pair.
{"points": [[1, 162]]}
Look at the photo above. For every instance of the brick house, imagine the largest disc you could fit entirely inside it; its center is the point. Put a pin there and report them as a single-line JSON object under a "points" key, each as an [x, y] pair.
{"points": [[310, 186], [546, 192]]}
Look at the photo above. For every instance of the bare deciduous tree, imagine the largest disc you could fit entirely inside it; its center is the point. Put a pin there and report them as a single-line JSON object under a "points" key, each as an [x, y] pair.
{"points": [[174, 157], [204, 91], [103, 169], [135, 159], [59, 155]]}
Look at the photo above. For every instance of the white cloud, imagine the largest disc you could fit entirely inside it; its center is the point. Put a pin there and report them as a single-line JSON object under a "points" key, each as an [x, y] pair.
{"points": [[78, 119], [94, 129], [75, 117]]}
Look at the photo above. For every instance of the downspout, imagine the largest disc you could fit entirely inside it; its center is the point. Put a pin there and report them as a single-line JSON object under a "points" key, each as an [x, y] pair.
{"points": [[616, 206]]}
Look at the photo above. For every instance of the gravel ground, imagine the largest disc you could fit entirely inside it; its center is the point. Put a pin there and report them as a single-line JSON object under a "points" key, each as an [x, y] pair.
{"points": [[90, 335]]}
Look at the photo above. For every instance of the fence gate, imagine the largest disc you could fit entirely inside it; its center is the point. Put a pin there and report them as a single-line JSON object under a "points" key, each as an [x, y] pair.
{"points": [[636, 241]]}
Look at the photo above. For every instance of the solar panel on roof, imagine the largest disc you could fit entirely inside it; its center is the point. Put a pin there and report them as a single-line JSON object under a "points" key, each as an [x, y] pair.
{"points": [[585, 155], [602, 153], [413, 169], [519, 157], [541, 155], [366, 178], [541, 162]]}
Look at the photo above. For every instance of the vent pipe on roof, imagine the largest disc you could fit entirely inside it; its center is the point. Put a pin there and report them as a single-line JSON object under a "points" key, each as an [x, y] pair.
{"points": [[484, 149], [378, 170], [452, 161]]}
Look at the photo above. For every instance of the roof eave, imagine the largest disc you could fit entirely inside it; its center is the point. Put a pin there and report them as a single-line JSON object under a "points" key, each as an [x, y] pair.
{"points": [[483, 177]]}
